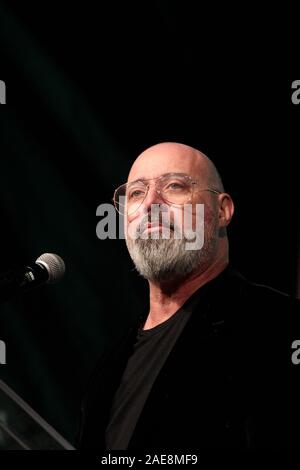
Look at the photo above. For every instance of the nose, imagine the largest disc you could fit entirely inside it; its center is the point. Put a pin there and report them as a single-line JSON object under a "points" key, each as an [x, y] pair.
{"points": [[153, 197]]}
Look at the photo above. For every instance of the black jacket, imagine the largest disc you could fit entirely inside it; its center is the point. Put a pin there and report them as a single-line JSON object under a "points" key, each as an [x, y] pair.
{"points": [[229, 381]]}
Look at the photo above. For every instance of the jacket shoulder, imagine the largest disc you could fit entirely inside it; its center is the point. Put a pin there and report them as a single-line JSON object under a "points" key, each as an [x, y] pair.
{"points": [[265, 305]]}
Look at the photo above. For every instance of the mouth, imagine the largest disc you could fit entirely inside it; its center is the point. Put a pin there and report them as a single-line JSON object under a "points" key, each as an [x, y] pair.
{"points": [[153, 226], [156, 226]]}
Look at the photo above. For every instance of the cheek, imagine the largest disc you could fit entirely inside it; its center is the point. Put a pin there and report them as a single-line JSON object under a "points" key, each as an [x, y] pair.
{"points": [[136, 217], [176, 216], [210, 221], [130, 225], [207, 216]]}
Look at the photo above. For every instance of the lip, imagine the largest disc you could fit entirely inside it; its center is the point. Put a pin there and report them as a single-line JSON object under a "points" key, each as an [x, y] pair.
{"points": [[151, 227], [160, 227], [154, 225]]}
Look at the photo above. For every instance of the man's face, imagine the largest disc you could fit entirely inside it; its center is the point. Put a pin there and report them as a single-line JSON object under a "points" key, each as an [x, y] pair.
{"points": [[160, 252]]}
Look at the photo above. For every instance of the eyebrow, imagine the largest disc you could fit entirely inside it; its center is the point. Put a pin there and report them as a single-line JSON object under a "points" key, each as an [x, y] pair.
{"points": [[165, 174], [135, 181]]}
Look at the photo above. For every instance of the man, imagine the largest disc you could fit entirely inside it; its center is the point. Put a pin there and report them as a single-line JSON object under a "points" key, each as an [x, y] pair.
{"points": [[210, 364]]}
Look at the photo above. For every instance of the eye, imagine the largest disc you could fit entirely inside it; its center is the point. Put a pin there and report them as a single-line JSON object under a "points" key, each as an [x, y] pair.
{"points": [[136, 193], [174, 186]]}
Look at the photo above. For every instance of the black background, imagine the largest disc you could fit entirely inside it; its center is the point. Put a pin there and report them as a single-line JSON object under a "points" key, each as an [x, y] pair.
{"points": [[90, 86]]}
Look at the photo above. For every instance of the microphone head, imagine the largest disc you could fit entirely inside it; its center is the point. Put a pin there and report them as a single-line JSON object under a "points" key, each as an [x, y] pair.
{"points": [[55, 266]]}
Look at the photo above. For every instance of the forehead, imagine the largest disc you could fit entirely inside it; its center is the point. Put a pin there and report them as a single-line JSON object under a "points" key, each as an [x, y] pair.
{"points": [[154, 163]]}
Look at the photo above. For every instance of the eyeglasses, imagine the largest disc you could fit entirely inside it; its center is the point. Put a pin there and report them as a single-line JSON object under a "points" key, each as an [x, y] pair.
{"points": [[173, 188]]}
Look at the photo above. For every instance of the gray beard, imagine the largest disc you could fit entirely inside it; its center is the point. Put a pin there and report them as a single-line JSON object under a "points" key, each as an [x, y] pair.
{"points": [[168, 260]]}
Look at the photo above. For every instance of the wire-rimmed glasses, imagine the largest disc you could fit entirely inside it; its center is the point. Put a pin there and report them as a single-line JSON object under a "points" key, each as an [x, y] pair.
{"points": [[173, 188]]}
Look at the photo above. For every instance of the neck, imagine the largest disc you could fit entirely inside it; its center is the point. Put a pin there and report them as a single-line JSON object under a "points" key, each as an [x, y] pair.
{"points": [[167, 298]]}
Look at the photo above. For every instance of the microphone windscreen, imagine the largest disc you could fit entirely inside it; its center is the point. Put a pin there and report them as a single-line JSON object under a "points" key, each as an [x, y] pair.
{"points": [[54, 264]]}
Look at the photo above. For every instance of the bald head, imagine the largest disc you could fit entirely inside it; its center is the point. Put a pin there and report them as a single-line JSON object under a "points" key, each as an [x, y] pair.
{"points": [[172, 157]]}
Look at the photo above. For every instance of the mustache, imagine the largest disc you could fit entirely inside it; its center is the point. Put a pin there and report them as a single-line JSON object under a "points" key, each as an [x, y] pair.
{"points": [[154, 218]]}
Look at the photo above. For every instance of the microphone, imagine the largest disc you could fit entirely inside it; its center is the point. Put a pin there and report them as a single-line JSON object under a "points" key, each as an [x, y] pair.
{"points": [[47, 269]]}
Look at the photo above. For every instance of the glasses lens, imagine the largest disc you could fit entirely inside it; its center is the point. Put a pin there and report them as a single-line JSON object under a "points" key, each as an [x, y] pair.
{"points": [[129, 197], [176, 189]]}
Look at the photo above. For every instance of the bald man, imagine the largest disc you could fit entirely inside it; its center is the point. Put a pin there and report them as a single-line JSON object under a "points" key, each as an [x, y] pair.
{"points": [[209, 365]]}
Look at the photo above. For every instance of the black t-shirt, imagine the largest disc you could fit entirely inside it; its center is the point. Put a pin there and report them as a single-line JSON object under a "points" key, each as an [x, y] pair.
{"points": [[151, 350]]}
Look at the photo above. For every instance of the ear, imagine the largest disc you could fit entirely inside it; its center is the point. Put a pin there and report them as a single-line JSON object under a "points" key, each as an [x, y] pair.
{"points": [[226, 209]]}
